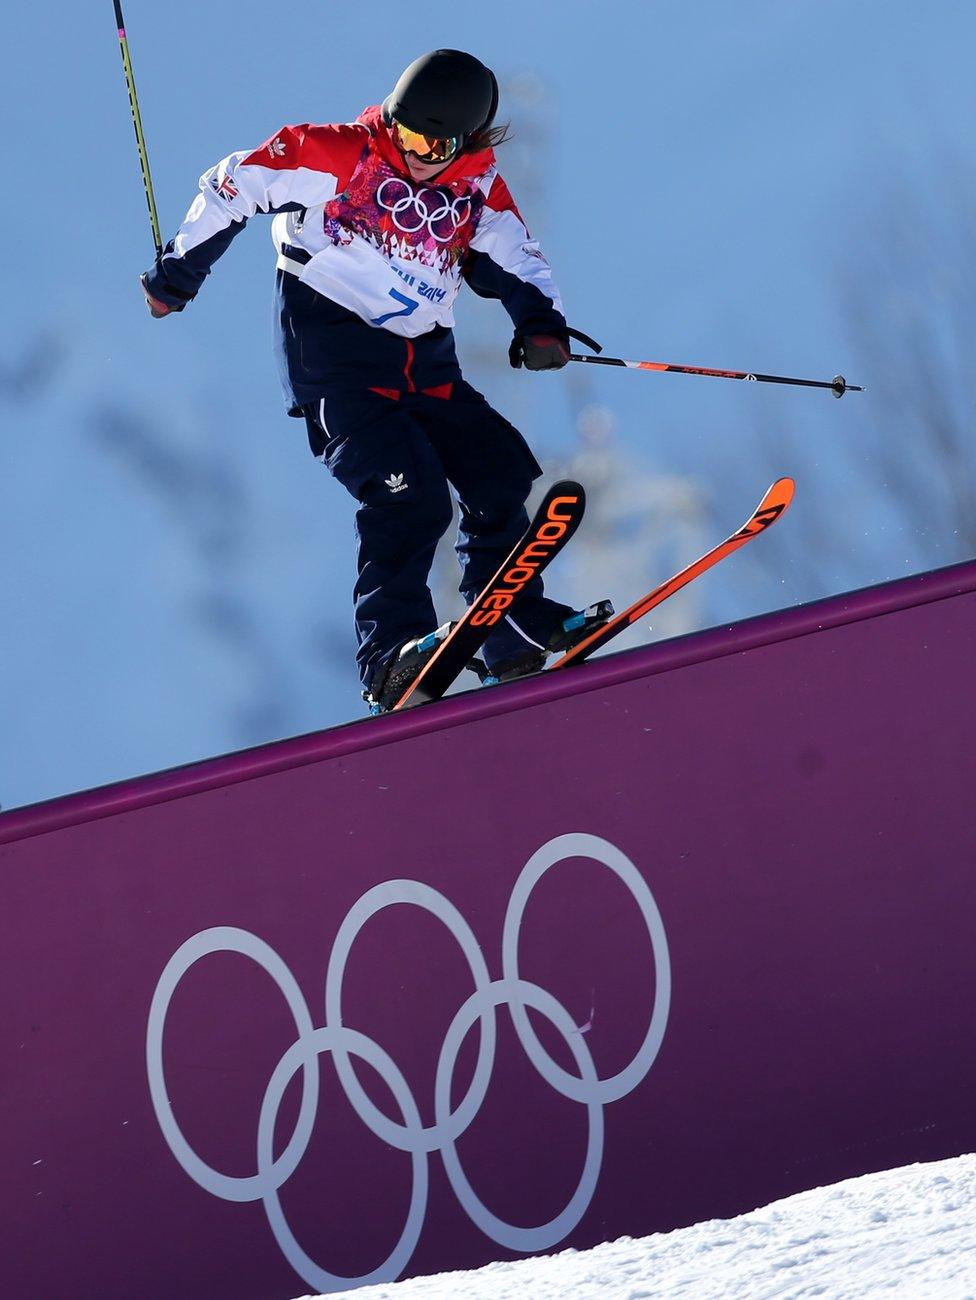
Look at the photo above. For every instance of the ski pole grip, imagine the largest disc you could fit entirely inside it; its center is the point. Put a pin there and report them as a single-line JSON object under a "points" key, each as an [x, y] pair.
{"points": [[584, 339]]}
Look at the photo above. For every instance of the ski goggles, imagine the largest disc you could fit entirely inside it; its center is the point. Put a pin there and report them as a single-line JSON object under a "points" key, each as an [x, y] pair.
{"points": [[428, 148]]}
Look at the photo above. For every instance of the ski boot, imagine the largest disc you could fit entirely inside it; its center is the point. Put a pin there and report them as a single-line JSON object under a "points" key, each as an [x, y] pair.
{"points": [[392, 678], [570, 632]]}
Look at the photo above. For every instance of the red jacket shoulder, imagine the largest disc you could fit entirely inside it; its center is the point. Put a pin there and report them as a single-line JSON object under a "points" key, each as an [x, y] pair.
{"points": [[334, 148], [500, 198]]}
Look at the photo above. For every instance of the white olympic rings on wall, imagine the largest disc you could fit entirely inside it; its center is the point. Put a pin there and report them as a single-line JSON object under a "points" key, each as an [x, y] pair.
{"points": [[425, 208], [409, 1133]]}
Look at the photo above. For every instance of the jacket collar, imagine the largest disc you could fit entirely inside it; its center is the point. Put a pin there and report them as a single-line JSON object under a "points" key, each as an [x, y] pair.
{"points": [[465, 167]]}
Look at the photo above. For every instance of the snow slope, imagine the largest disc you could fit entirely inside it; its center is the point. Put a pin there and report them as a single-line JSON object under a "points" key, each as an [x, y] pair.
{"points": [[907, 1232]]}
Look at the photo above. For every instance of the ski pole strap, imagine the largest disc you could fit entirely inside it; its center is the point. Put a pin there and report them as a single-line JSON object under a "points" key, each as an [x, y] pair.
{"points": [[584, 339]]}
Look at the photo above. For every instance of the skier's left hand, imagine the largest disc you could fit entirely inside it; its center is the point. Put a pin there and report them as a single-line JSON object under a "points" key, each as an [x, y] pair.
{"points": [[539, 351], [157, 308]]}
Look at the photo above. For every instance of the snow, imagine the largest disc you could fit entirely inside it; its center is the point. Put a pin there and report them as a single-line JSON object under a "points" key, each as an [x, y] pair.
{"points": [[906, 1232]]}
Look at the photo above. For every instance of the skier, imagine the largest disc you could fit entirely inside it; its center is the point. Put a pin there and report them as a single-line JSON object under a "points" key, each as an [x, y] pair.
{"points": [[371, 254]]}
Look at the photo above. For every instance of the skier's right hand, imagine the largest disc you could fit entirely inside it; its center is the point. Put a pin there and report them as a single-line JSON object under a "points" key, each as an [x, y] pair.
{"points": [[157, 308], [544, 350]]}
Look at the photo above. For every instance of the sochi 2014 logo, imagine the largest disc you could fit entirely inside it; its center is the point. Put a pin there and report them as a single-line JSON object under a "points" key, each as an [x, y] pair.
{"points": [[426, 209], [344, 1044]]}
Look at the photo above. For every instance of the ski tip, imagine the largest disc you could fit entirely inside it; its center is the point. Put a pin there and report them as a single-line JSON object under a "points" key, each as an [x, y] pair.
{"points": [[779, 493], [778, 496], [567, 488], [563, 505]]}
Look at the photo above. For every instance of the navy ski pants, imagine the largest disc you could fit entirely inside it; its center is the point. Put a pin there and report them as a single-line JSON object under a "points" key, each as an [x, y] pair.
{"points": [[397, 455]]}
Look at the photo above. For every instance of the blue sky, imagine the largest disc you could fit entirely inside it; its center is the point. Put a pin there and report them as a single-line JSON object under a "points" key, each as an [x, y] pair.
{"points": [[715, 184]]}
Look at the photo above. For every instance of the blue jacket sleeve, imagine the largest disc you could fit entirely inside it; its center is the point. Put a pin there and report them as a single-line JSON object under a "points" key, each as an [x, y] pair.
{"points": [[506, 263]]}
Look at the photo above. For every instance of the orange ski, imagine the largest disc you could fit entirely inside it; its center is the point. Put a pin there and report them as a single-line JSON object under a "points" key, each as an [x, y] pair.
{"points": [[773, 504], [555, 521]]}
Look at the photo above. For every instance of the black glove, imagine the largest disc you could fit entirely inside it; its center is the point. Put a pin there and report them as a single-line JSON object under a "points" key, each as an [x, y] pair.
{"points": [[539, 351]]}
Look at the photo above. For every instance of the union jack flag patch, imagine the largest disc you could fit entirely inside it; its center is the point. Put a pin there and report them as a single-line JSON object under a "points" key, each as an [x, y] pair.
{"points": [[226, 189]]}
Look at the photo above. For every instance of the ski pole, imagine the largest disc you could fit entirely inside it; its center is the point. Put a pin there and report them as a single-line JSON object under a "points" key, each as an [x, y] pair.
{"points": [[137, 123], [838, 385]]}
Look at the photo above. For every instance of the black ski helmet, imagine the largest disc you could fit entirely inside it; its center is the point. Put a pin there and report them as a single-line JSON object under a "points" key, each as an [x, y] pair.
{"points": [[444, 93]]}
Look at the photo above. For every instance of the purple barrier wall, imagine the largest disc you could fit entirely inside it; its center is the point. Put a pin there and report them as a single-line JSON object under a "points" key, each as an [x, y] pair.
{"points": [[607, 952]]}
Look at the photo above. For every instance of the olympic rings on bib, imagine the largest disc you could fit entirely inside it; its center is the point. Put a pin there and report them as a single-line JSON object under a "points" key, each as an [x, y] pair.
{"points": [[426, 208], [408, 1132]]}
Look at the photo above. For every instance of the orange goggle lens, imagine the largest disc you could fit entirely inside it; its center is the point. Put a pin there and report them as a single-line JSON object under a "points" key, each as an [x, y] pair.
{"points": [[428, 148]]}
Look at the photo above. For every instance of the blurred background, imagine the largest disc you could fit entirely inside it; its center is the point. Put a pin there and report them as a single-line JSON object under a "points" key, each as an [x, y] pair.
{"points": [[786, 188]]}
